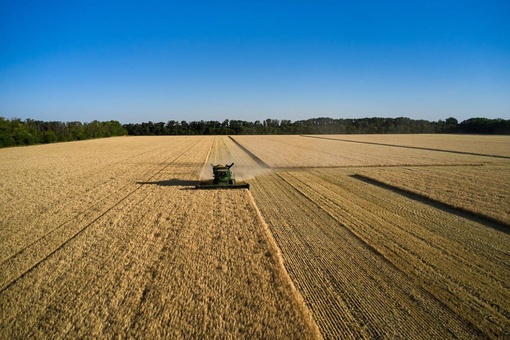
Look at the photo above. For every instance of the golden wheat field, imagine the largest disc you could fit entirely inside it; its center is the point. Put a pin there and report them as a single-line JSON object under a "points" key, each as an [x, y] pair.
{"points": [[339, 237]]}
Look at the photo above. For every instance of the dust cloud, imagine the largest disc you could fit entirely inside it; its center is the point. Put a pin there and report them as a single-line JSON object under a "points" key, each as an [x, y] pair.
{"points": [[241, 170], [224, 151], [245, 172]]}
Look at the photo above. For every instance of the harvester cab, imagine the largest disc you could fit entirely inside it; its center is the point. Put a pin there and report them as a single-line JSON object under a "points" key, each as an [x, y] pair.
{"points": [[223, 178], [222, 174]]}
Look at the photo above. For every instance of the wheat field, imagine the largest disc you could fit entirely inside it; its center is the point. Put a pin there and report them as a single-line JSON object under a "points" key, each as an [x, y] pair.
{"points": [[339, 237], [483, 145], [102, 238]]}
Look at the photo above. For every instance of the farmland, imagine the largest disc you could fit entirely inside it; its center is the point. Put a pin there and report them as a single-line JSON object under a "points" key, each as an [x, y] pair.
{"points": [[340, 237], [98, 239]]}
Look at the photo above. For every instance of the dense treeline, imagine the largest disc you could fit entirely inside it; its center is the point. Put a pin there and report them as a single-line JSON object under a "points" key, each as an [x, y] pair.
{"points": [[320, 126], [29, 132]]}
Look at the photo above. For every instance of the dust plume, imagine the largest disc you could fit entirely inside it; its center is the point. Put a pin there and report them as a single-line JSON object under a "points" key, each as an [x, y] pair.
{"points": [[227, 151]]}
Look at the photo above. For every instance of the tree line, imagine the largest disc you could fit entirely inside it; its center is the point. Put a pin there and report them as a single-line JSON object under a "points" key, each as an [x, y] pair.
{"points": [[320, 126], [27, 132]]}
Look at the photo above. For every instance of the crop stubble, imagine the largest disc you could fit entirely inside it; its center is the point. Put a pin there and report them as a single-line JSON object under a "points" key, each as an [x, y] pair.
{"points": [[383, 263], [133, 254], [305, 152], [483, 190], [489, 145]]}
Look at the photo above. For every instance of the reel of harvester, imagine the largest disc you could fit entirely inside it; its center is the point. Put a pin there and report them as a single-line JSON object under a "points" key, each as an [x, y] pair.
{"points": [[223, 178]]}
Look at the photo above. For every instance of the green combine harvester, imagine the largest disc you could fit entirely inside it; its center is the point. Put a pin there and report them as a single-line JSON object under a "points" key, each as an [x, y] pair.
{"points": [[223, 178]]}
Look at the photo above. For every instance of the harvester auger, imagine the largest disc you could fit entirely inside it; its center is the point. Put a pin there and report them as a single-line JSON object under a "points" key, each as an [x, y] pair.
{"points": [[223, 178]]}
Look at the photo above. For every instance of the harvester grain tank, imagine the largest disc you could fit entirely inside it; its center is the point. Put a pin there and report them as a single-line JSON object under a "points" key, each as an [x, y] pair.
{"points": [[223, 178]]}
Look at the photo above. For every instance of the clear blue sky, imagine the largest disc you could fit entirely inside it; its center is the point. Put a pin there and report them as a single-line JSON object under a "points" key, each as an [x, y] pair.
{"points": [[136, 61]]}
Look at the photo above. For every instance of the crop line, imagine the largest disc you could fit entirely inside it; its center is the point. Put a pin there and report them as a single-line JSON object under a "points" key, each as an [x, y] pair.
{"points": [[280, 262], [251, 154], [305, 167], [204, 166], [449, 208], [64, 223], [369, 246], [90, 207], [417, 235], [376, 252], [409, 147], [483, 272], [6, 286]]}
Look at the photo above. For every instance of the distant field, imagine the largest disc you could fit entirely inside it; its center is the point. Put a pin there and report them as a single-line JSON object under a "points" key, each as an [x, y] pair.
{"points": [[319, 151], [483, 190], [341, 236], [483, 145]]}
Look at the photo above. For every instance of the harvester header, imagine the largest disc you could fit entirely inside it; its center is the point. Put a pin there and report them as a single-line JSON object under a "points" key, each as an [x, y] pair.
{"points": [[223, 178]]}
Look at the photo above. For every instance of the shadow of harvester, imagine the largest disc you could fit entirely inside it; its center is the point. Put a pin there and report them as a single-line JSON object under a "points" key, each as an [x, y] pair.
{"points": [[174, 182]]}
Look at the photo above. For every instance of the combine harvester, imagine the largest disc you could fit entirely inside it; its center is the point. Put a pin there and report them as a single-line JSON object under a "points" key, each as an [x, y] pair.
{"points": [[223, 178]]}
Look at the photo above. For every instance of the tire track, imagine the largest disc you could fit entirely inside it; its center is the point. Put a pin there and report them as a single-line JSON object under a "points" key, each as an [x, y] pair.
{"points": [[16, 240], [259, 161], [446, 207], [409, 147], [84, 211], [116, 252], [383, 257], [331, 264], [467, 287]]}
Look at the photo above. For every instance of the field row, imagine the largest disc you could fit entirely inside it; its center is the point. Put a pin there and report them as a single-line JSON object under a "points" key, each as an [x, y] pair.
{"points": [[58, 204], [306, 152], [498, 146], [371, 263], [484, 190]]}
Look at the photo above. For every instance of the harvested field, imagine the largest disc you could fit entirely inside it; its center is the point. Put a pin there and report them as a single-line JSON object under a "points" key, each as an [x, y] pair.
{"points": [[371, 263], [340, 239], [498, 146], [374, 262], [317, 152], [483, 190]]}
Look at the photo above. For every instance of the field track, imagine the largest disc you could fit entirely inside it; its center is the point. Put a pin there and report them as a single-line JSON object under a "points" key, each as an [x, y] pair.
{"points": [[486, 196], [340, 237], [486, 146], [325, 152]]}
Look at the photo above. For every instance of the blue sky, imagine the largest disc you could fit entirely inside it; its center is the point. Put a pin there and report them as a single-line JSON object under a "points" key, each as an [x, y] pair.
{"points": [[136, 61]]}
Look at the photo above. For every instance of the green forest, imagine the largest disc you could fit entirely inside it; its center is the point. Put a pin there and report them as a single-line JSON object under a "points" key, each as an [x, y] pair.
{"points": [[28, 132], [321, 126]]}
